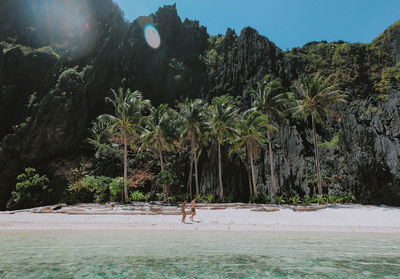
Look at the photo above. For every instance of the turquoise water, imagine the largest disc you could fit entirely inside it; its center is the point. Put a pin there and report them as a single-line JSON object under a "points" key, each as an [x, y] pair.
{"points": [[155, 254]]}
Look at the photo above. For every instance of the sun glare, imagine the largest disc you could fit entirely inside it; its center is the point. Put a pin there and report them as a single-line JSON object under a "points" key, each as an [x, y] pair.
{"points": [[152, 36]]}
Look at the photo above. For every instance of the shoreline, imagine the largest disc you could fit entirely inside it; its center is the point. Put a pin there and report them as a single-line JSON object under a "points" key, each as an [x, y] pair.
{"points": [[211, 217]]}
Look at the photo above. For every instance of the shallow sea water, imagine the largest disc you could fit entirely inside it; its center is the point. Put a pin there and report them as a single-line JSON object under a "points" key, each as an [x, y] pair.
{"points": [[188, 254]]}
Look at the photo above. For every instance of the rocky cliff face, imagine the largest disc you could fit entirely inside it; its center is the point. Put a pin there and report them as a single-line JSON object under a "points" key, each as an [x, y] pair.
{"points": [[389, 41], [71, 88]]}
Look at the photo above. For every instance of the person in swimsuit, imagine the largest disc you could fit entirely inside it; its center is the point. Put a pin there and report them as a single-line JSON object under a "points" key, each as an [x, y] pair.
{"points": [[193, 209], [183, 211]]}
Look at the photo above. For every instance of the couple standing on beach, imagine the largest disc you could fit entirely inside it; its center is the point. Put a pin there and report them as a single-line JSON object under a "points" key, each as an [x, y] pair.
{"points": [[192, 210]]}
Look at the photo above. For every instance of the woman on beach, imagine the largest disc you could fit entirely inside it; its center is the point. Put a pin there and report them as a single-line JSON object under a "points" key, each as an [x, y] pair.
{"points": [[183, 211], [193, 209]]}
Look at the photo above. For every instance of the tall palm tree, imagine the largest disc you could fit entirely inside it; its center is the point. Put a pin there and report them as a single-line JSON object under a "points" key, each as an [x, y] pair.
{"points": [[251, 129], [127, 119], [192, 117], [270, 100], [158, 133], [222, 126], [315, 97]]}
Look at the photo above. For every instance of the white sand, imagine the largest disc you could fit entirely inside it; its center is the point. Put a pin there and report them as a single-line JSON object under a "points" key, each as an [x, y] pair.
{"points": [[352, 218]]}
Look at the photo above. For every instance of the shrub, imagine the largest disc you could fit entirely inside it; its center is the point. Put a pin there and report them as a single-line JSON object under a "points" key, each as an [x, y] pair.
{"points": [[147, 196], [208, 198], [165, 178], [320, 199], [295, 200], [30, 190], [97, 189], [171, 198], [279, 199], [70, 80], [332, 199], [349, 198], [160, 196], [267, 198], [307, 200], [116, 188], [332, 144], [137, 196]]}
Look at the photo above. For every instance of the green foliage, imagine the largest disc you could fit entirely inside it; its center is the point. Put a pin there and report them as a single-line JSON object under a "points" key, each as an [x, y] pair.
{"points": [[166, 178], [116, 187], [315, 96], [212, 60], [208, 198], [295, 200], [332, 199], [279, 199], [137, 196], [352, 67], [147, 196], [386, 36], [48, 50], [160, 196], [101, 188], [32, 100], [30, 190], [171, 199], [389, 77], [332, 144], [70, 79], [312, 178], [320, 199], [8, 46], [307, 200], [177, 65], [267, 198], [374, 110], [348, 198]]}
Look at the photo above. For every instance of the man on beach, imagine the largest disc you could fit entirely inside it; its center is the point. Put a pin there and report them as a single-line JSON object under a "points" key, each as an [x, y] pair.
{"points": [[183, 211], [193, 209]]}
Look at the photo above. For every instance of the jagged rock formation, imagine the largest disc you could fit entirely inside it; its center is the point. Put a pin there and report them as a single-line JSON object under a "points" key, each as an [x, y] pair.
{"points": [[389, 41], [72, 79]]}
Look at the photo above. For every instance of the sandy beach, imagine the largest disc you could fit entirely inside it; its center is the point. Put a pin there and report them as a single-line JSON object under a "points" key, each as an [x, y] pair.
{"points": [[237, 217]]}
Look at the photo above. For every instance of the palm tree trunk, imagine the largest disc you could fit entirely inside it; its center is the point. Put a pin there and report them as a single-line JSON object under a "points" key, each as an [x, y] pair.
{"points": [[194, 154], [165, 191], [221, 189], [190, 179], [195, 173], [253, 176], [125, 165], [319, 185], [250, 184], [271, 163]]}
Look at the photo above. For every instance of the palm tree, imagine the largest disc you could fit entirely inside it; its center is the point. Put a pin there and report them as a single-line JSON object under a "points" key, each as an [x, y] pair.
{"points": [[315, 97], [193, 121], [251, 135], [127, 120], [222, 126], [158, 133], [269, 99]]}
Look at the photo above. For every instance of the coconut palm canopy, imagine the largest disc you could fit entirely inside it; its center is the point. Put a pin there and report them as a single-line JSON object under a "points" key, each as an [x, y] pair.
{"points": [[315, 96]]}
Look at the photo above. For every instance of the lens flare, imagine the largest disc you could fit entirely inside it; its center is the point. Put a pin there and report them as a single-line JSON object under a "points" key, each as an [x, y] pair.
{"points": [[152, 36]]}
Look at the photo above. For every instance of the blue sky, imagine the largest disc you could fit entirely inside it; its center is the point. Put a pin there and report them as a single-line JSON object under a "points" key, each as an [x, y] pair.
{"points": [[288, 23]]}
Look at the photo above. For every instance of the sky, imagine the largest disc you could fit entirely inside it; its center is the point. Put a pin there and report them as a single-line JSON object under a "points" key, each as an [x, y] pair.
{"points": [[288, 23]]}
